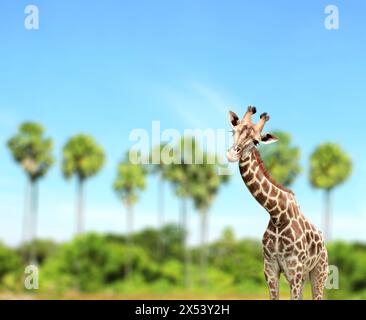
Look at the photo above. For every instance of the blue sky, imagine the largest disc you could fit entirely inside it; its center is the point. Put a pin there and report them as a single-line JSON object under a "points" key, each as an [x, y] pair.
{"points": [[106, 68]]}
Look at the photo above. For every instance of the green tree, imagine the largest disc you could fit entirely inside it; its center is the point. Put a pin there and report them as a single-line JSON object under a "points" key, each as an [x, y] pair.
{"points": [[205, 186], [84, 158], [330, 166], [9, 262], [130, 181], [33, 152], [282, 159]]}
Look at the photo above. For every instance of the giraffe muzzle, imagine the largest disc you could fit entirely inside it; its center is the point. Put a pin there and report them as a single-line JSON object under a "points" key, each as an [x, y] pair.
{"points": [[233, 154]]}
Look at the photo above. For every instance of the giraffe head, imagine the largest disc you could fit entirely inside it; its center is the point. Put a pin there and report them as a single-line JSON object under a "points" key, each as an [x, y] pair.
{"points": [[247, 135]]}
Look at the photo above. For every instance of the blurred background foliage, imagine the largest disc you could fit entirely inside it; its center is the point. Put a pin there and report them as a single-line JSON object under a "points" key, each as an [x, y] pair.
{"points": [[95, 263], [154, 261]]}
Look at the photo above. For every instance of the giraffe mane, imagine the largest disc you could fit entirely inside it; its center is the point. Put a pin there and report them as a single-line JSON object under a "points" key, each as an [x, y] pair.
{"points": [[267, 174]]}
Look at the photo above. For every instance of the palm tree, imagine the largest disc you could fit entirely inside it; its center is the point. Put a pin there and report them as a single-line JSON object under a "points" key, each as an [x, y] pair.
{"points": [[159, 168], [130, 181], [282, 160], [84, 158], [330, 166], [33, 152], [180, 175], [204, 189]]}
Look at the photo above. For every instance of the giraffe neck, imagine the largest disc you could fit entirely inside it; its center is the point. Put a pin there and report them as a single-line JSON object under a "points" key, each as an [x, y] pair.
{"points": [[278, 201]]}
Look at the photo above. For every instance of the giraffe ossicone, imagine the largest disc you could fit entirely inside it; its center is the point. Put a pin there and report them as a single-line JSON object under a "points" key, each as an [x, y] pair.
{"points": [[292, 245]]}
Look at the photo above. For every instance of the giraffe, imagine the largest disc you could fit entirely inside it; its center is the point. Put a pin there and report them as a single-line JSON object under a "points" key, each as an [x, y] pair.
{"points": [[291, 243]]}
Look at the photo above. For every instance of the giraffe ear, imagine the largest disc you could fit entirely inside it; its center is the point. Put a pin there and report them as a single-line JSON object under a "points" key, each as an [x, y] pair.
{"points": [[268, 138], [233, 119]]}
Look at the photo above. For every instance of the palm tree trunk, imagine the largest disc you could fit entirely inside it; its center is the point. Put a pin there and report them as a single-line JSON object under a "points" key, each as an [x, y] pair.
{"points": [[80, 206], [187, 256], [129, 239], [203, 256], [161, 207], [34, 220], [327, 215], [26, 212]]}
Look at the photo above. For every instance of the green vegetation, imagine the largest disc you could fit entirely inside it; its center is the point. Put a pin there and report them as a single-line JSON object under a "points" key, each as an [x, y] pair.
{"points": [[156, 261], [95, 263], [9, 264]]}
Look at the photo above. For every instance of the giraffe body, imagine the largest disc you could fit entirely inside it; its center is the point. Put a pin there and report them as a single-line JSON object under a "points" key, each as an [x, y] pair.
{"points": [[291, 244]]}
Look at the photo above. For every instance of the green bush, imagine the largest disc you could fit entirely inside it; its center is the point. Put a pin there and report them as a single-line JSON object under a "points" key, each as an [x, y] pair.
{"points": [[91, 261], [172, 271], [350, 259], [242, 259], [41, 248], [97, 263], [9, 262], [160, 244]]}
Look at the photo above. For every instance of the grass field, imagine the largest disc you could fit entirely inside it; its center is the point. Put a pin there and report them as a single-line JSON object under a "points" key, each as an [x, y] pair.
{"points": [[197, 293], [149, 296], [167, 296]]}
